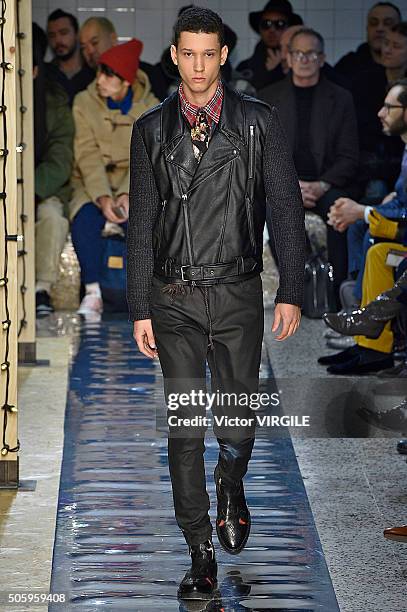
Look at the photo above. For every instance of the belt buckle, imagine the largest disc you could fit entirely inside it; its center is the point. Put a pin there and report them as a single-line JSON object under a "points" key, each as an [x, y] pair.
{"points": [[182, 272]]}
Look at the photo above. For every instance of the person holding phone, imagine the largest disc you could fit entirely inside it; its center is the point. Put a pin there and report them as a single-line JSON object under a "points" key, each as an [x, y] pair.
{"points": [[104, 115]]}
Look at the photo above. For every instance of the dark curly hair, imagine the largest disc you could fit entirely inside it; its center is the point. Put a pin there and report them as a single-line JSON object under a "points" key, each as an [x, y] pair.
{"points": [[402, 97], [197, 19]]}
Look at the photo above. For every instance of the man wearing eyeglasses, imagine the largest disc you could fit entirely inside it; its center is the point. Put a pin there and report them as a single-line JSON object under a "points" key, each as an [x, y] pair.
{"points": [[319, 118], [347, 213], [264, 66]]}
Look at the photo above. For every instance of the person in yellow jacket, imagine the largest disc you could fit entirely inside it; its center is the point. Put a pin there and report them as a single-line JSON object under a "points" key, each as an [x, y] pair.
{"points": [[104, 115], [371, 323]]}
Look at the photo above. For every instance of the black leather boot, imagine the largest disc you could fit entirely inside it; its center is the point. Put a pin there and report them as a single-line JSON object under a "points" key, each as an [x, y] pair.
{"points": [[199, 581], [233, 520], [370, 320]]}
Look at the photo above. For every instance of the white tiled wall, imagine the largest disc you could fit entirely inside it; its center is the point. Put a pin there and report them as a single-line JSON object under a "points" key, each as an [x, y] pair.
{"points": [[341, 22]]}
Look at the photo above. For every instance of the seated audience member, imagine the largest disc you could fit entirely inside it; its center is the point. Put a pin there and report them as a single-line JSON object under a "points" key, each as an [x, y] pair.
{"points": [[371, 319], [264, 66], [326, 69], [325, 152], [360, 220], [380, 19], [104, 115], [372, 322], [67, 68], [53, 138], [381, 153], [97, 35]]}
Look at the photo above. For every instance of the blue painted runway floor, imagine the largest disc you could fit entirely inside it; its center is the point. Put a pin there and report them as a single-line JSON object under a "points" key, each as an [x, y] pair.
{"points": [[117, 546]]}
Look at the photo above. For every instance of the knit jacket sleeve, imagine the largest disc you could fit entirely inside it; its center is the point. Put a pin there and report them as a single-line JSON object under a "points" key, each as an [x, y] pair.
{"points": [[144, 205], [286, 211]]}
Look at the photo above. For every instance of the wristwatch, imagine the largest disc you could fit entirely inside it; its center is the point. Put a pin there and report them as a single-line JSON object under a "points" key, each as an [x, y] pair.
{"points": [[324, 186]]}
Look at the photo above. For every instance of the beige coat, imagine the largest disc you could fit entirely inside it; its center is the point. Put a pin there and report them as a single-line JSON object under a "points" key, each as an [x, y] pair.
{"points": [[102, 143]]}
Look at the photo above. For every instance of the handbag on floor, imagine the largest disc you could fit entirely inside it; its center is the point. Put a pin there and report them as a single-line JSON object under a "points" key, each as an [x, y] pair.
{"points": [[113, 274], [319, 294]]}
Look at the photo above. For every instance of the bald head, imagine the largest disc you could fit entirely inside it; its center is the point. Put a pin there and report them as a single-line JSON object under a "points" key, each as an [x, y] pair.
{"points": [[285, 42], [96, 36]]}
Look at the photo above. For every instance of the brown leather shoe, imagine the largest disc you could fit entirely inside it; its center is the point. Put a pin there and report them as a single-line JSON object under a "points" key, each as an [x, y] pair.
{"points": [[398, 534]]}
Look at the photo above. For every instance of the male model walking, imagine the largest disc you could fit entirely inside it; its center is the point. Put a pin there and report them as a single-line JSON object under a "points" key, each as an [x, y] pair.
{"points": [[204, 165]]}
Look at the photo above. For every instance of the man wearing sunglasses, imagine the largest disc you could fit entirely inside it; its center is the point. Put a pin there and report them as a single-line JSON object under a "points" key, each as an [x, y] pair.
{"points": [[264, 66]]}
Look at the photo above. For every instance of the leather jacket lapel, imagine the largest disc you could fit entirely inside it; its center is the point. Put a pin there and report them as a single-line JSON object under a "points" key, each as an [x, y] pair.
{"points": [[177, 144], [220, 152], [223, 145]]}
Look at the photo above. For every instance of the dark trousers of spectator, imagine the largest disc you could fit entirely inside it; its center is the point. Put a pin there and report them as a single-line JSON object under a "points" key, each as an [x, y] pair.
{"points": [[336, 241], [359, 242], [87, 239], [223, 325]]}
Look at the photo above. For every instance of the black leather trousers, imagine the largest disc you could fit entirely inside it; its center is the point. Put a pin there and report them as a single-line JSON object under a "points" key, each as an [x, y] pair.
{"points": [[221, 325]]}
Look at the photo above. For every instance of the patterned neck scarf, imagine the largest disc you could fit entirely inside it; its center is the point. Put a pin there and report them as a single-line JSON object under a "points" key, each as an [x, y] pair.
{"points": [[200, 118], [200, 132]]}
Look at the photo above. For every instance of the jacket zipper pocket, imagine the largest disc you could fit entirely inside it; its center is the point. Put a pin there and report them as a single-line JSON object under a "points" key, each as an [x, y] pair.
{"points": [[186, 223], [161, 225], [249, 212], [251, 151]]}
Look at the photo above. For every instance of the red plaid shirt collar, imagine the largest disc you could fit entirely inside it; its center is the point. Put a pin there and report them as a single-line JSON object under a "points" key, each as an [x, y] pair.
{"points": [[212, 108]]}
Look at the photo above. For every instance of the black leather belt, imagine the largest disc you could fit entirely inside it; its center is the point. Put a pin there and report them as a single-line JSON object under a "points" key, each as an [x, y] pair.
{"points": [[171, 270]]}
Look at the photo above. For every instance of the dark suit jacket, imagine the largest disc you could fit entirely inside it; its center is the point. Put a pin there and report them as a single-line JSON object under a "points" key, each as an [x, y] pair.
{"points": [[333, 128]]}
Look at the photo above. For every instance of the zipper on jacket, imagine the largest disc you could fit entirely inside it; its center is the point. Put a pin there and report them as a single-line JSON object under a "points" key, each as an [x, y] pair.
{"points": [[249, 211], [161, 224], [186, 223], [251, 151]]}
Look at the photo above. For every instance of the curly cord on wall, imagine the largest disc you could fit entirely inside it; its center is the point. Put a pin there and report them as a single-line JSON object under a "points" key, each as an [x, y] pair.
{"points": [[6, 323], [20, 181]]}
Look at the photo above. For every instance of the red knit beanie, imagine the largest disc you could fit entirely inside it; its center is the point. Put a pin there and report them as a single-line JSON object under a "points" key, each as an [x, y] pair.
{"points": [[123, 59]]}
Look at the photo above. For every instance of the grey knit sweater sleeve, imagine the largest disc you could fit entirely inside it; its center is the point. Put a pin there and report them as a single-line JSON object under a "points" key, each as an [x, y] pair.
{"points": [[286, 211], [144, 206]]}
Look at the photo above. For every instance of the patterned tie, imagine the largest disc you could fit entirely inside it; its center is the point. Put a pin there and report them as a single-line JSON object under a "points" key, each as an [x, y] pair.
{"points": [[200, 134]]}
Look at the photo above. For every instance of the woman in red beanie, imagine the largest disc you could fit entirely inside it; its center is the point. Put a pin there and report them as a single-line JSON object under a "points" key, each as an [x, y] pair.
{"points": [[104, 115]]}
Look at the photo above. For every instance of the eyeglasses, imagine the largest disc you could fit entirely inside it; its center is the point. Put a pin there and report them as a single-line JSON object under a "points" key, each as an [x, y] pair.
{"points": [[310, 56], [388, 107], [277, 24]]}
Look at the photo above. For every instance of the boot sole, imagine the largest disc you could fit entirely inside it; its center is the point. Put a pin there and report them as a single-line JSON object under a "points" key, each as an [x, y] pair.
{"points": [[198, 595], [234, 551]]}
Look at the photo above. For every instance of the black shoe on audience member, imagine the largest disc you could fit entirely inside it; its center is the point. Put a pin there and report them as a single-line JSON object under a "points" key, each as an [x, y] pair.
{"points": [[394, 419], [338, 357], [362, 361], [43, 306], [402, 447], [399, 371], [354, 323]]}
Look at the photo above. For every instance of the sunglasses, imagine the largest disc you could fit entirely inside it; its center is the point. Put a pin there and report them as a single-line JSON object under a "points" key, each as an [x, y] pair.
{"points": [[277, 24]]}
